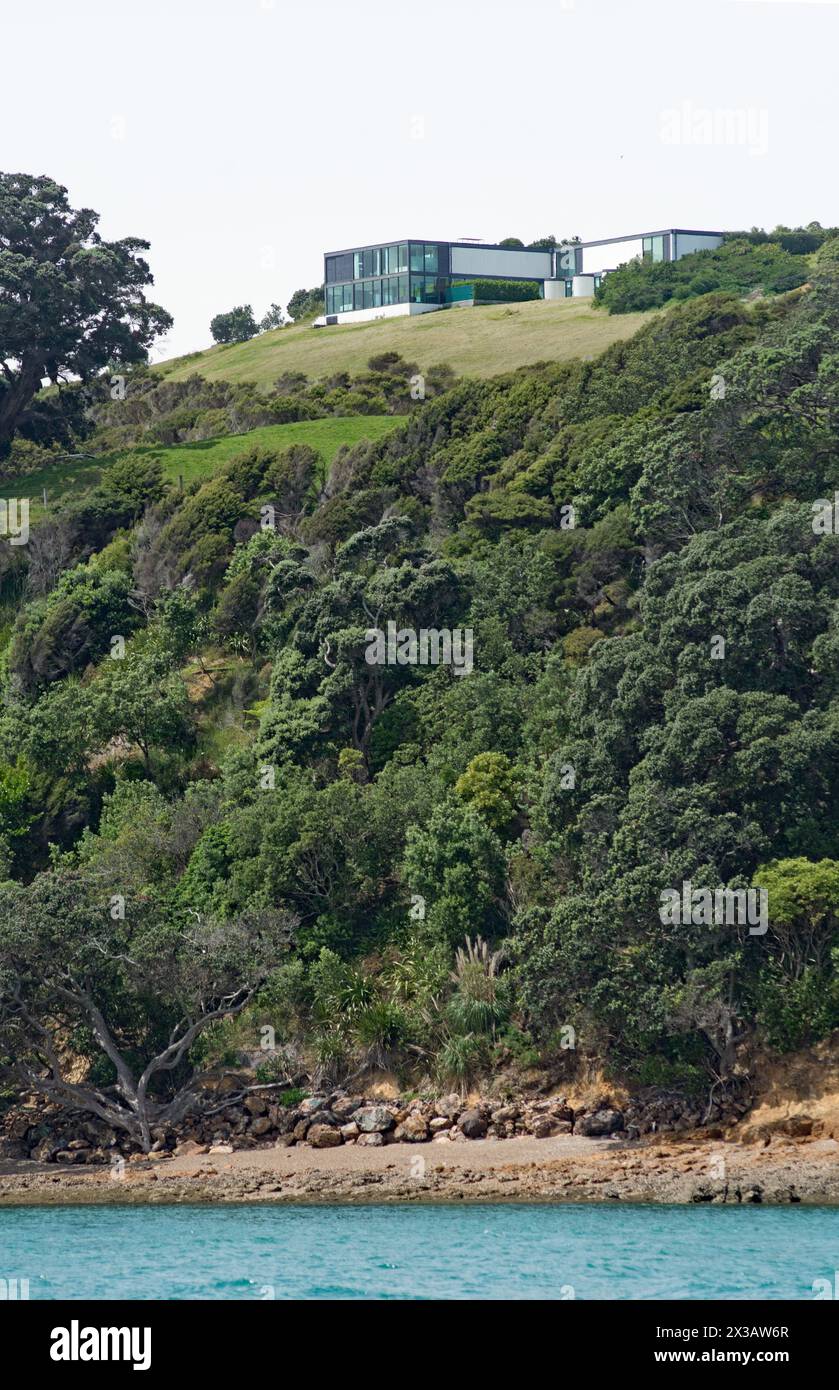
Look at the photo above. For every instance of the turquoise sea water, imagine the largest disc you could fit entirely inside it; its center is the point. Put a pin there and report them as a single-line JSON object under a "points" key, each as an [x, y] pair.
{"points": [[262, 1251]]}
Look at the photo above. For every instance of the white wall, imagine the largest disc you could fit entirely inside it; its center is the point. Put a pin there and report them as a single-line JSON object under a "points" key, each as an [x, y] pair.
{"points": [[479, 260], [385, 311], [610, 256], [582, 287]]}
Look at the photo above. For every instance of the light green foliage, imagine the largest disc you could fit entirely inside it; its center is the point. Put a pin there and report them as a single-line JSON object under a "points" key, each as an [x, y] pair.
{"points": [[489, 785], [15, 786]]}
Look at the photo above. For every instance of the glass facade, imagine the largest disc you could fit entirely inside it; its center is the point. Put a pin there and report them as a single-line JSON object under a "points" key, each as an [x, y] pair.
{"points": [[404, 272], [367, 294], [428, 289], [420, 272], [655, 249]]}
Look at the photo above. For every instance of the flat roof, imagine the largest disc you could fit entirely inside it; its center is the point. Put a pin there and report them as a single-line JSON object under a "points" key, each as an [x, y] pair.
{"points": [[660, 231], [533, 250], [439, 241]]}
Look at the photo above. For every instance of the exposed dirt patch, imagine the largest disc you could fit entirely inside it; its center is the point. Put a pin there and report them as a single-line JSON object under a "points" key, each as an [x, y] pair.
{"points": [[797, 1095]]}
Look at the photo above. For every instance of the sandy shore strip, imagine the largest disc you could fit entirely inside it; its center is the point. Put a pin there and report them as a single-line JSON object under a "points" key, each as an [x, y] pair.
{"points": [[563, 1168]]}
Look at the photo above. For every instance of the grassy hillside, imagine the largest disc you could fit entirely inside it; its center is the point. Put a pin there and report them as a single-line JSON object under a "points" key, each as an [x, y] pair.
{"points": [[200, 459], [475, 342]]}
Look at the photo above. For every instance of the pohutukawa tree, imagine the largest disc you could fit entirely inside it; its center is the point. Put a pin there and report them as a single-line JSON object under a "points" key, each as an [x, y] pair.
{"points": [[101, 999], [70, 302]]}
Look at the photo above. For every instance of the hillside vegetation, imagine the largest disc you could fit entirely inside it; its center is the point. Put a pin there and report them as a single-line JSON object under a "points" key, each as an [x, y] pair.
{"points": [[214, 800], [191, 426], [747, 263], [72, 479]]}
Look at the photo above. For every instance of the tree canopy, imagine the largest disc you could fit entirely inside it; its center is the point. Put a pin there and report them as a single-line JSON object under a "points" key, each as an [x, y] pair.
{"points": [[71, 303]]}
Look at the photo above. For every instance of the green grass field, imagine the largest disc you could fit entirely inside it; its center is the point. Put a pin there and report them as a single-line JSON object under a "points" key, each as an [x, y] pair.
{"points": [[476, 342], [190, 461]]}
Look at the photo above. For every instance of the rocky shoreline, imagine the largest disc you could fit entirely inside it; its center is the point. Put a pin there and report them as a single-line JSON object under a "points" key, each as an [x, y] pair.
{"points": [[262, 1143], [558, 1169], [238, 1115]]}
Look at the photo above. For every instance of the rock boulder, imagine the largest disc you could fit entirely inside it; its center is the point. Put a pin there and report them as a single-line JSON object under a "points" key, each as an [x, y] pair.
{"points": [[473, 1124], [373, 1119], [599, 1123], [324, 1137]]}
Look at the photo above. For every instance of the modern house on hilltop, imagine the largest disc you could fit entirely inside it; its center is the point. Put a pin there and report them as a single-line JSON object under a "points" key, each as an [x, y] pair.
{"points": [[415, 277]]}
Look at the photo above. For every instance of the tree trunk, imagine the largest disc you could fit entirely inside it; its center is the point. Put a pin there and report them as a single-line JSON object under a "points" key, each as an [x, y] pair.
{"points": [[20, 390]]}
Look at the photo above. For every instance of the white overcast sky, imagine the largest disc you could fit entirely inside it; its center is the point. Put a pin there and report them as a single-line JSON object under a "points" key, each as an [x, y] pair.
{"points": [[243, 138]]}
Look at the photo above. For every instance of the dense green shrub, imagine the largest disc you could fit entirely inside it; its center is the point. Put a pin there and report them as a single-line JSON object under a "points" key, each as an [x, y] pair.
{"points": [[505, 291], [236, 326], [737, 266]]}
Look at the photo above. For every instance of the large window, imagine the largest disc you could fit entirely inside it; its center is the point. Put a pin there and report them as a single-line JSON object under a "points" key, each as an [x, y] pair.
{"points": [[369, 264], [395, 259], [339, 298], [426, 289], [654, 248], [339, 267], [425, 257]]}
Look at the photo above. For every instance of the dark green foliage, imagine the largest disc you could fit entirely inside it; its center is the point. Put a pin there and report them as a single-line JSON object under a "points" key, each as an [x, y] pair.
{"points": [[737, 266], [72, 627], [475, 861], [505, 291], [273, 318], [71, 304], [236, 326], [305, 304]]}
